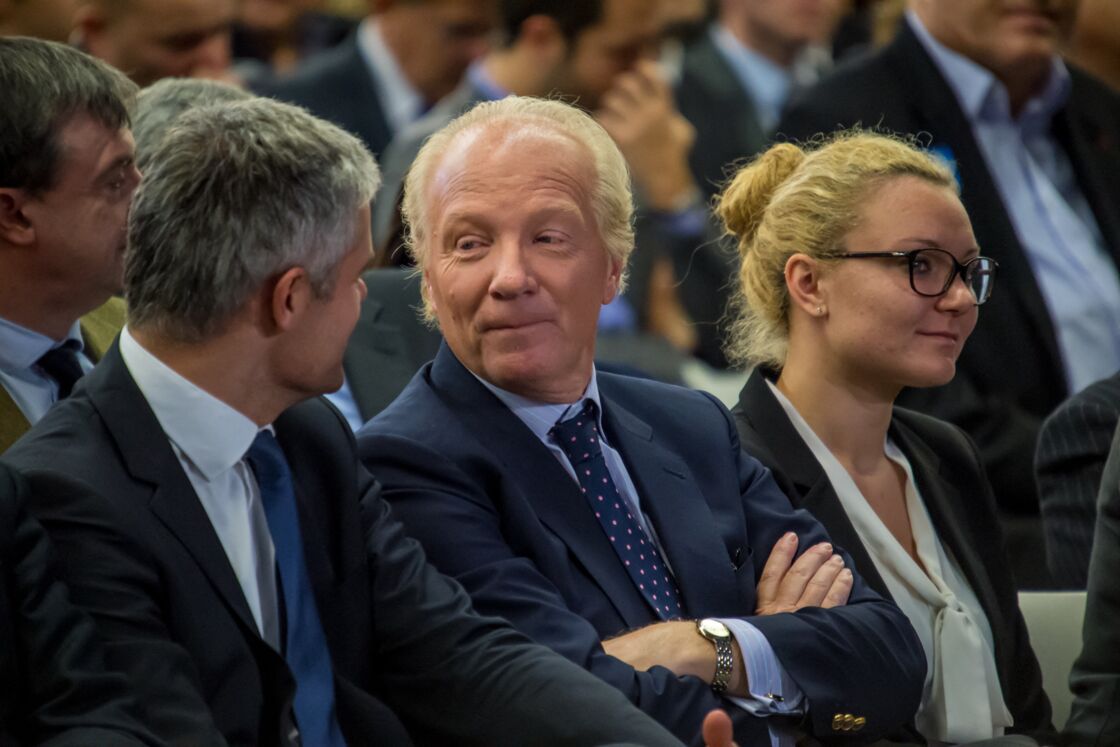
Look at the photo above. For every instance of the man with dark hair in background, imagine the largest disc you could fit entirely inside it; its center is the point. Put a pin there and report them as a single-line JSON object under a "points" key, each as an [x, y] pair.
{"points": [[66, 180], [153, 39], [404, 58]]}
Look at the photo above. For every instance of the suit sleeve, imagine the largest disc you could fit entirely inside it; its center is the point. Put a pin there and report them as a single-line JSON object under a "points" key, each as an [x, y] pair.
{"points": [[457, 676], [116, 581], [863, 658], [467, 543], [66, 693], [1072, 449], [1095, 681]]}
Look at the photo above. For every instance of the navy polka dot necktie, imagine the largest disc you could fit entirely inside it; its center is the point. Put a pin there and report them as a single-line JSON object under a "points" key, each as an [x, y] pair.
{"points": [[578, 438]]}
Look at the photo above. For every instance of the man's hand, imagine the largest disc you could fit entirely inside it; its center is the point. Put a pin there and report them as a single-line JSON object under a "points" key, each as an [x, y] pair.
{"points": [[717, 730], [678, 646], [640, 115], [817, 579]]}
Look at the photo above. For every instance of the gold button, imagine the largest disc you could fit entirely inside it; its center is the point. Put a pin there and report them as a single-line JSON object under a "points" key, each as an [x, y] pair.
{"points": [[838, 722], [859, 723], [849, 720]]}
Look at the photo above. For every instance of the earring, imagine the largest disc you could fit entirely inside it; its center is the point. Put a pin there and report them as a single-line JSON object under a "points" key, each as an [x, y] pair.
{"points": [[820, 311]]}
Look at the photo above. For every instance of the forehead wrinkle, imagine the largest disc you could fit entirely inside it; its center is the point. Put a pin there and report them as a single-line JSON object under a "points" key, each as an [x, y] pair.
{"points": [[471, 165]]}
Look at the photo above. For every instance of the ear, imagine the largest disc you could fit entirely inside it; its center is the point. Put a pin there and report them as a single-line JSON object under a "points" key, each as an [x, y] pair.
{"points": [[289, 296], [803, 279], [614, 277], [16, 227]]}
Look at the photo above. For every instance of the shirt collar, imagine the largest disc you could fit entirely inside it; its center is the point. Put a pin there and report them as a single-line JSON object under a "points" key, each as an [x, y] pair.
{"points": [[982, 96], [20, 347], [210, 433], [767, 82], [541, 416], [400, 100]]}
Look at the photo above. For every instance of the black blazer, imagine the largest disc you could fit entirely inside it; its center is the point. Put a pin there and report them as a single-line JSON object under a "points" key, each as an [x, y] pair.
{"points": [[55, 687], [1072, 448], [336, 85], [1010, 375], [959, 500], [142, 556]]}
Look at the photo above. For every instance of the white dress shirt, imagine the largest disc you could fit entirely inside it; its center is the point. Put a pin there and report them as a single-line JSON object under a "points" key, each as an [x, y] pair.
{"points": [[210, 439], [962, 700]]}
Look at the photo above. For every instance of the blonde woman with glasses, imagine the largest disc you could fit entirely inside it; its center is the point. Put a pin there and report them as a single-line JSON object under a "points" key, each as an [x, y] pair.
{"points": [[860, 276]]}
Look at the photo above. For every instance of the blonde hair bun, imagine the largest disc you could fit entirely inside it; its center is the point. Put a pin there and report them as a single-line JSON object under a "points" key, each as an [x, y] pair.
{"points": [[743, 203]]}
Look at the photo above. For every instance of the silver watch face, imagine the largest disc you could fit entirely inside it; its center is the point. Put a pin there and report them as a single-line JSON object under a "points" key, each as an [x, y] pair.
{"points": [[714, 628]]}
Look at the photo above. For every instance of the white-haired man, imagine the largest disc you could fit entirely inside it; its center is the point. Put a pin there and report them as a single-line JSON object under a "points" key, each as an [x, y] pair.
{"points": [[581, 505]]}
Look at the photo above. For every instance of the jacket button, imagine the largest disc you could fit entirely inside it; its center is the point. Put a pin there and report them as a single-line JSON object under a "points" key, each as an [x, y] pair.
{"points": [[838, 722]]}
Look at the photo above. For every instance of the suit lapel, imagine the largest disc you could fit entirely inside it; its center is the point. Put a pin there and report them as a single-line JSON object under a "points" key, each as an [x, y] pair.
{"points": [[944, 501], [811, 488], [550, 490], [670, 498], [148, 457]]}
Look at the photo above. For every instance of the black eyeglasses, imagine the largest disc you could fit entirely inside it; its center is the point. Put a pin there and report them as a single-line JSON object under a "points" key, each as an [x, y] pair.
{"points": [[932, 271]]}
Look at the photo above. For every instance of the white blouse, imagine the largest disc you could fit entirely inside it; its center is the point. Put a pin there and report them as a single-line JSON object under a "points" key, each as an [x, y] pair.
{"points": [[962, 700]]}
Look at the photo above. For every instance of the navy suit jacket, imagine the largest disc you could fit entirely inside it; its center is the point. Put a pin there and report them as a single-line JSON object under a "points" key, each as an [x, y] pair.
{"points": [[1010, 375], [495, 509], [956, 493], [140, 553]]}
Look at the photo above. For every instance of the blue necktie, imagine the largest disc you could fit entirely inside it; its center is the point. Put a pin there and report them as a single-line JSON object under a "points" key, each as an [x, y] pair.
{"points": [[578, 438], [61, 364], [305, 647]]}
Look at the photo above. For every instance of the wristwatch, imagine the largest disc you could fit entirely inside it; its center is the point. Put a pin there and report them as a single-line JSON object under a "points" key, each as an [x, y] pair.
{"points": [[720, 636]]}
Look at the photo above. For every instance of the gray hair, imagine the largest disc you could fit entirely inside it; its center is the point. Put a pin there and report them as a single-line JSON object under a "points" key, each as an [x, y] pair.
{"points": [[161, 103], [610, 195], [43, 85], [236, 194]]}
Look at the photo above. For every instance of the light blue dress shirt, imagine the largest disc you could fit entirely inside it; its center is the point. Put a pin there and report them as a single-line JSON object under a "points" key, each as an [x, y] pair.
{"points": [[31, 388], [766, 83], [401, 102], [1053, 220], [344, 400], [765, 674]]}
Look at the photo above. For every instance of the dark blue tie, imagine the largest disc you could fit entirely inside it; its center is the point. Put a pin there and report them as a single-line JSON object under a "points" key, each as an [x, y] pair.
{"points": [[61, 364], [305, 644], [578, 438]]}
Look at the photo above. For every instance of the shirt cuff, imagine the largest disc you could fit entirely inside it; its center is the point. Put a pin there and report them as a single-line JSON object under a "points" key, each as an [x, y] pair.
{"points": [[772, 690]]}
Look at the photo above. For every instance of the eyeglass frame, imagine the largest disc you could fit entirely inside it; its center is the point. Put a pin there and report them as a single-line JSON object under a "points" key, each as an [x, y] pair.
{"points": [[959, 268]]}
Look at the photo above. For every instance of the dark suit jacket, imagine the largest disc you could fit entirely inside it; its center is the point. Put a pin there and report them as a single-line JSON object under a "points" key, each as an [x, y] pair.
{"points": [[956, 493], [99, 328], [713, 99], [141, 555], [390, 342], [336, 85], [55, 688], [1010, 375], [495, 509], [1072, 448], [1094, 717]]}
